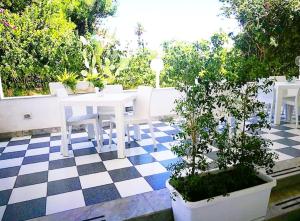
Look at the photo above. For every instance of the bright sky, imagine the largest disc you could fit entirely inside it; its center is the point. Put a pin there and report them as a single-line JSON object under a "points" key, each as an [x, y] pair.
{"points": [[187, 20]]}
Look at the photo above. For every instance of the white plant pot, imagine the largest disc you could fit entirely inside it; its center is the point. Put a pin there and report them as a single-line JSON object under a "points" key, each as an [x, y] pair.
{"points": [[244, 205]]}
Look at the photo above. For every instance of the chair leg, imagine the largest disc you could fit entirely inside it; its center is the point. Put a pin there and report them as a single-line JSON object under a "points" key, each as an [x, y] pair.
{"points": [[289, 112], [297, 115], [100, 129], [69, 134], [110, 133], [96, 128], [152, 134], [128, 134]]}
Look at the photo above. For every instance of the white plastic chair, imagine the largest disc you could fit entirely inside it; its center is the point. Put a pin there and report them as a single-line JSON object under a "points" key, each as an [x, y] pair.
{"points": [[76, 120], [293, 102], [269, 98], [106, 113], [141, 113]]}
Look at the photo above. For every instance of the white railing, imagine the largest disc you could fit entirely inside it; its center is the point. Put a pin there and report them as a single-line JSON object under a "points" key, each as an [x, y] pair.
{"points": [[38, 112]]}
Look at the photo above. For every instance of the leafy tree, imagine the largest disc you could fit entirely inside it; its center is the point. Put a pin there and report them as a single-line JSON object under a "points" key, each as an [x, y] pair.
{"points": [[136, 70], [212, 94], [36, 46], [15, 5], [86, 14], [184, 61], [270, 36]]}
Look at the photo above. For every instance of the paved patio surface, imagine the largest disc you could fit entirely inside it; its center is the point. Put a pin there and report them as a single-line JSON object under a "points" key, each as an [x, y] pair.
{"points": [[35, 180]]}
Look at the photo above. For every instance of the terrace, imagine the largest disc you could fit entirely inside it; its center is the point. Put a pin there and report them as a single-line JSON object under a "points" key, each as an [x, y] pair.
{"points": [[103, 118], [39, 182]]}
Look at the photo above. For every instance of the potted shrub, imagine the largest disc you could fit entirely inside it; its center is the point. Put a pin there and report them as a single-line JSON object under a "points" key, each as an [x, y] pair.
{"points": [[237, 189], [69, 80]]}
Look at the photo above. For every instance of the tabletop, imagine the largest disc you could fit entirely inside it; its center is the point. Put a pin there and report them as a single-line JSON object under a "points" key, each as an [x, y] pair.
{"points": [[97, 99]]}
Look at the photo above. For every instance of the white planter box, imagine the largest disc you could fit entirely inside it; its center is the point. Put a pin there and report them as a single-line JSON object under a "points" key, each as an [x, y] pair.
{"points": [[244, 205], [81, 87]]}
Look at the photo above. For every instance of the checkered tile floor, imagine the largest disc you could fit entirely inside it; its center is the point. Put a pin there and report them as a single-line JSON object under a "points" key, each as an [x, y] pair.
{"points": [[35, 180]]}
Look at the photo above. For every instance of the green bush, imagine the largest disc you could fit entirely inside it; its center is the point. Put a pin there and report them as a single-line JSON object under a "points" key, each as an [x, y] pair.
{"points": [[136, 70], [68, 79]]}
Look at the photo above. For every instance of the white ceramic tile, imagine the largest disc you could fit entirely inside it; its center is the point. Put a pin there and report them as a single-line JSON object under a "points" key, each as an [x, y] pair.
{"points": [[297, 138], [34, 168], [272, 130], [150, 168], [277, 146], [145, 142], [15, 148], [133, 187], [163, 155], [107, 148], [55, 143], [59, 156], [65, 201], [166, 128], [95, 179], [77, 135], [134, 151], [37, 151], [2, 210], [169, 145], [271, 136], [117, 164], [20, 138], [144, 126], [282, 156], [62, 173], [87, 159], [28, 193], [40, 139], [3, 144], [159, 134], [294, 131], [11, 162], [82, 145], [7, 183]]}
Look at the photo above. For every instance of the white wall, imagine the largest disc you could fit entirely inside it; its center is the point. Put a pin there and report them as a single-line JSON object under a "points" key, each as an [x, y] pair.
{"points": [[44, 110]]}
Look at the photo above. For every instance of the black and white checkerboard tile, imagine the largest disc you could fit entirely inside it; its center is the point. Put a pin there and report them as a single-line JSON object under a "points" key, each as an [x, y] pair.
{"points": [[35, 180]]}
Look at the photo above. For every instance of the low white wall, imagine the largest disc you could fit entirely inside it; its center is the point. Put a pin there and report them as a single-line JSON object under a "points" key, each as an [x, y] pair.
{"points": [[44, 110]]}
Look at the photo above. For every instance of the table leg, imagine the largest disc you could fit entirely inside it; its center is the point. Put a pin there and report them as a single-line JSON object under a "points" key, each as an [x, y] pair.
{"points": [[278, 104], [119, 114], [137, 132], [90, 127], [64, 150]]}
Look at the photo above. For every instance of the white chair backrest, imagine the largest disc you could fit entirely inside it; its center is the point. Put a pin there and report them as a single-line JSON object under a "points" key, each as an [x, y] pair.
{"points": [[62, 93], [143, 102], [113, 89]]}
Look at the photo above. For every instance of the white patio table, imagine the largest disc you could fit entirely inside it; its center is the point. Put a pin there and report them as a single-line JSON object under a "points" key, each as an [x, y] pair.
{"points": [[117, 101], [281, 90]]}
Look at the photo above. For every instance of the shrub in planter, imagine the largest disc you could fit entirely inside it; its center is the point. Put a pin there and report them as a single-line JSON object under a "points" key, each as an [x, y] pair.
{"points": [[235, 189], [69, 80]]}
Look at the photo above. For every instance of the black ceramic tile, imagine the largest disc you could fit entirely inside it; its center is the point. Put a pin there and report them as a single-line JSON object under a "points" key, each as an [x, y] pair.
{"points": [[90, 168], [30, 179], [56, 164], [36, 159], [100, 194], [63, 186], [141, 159], [124, 174], [25, 210], [158, 181]]}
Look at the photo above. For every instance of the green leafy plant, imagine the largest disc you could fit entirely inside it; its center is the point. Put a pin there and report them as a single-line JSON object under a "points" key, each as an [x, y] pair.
{"points": [[68, 79], [210, 100], [96, 80]]}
